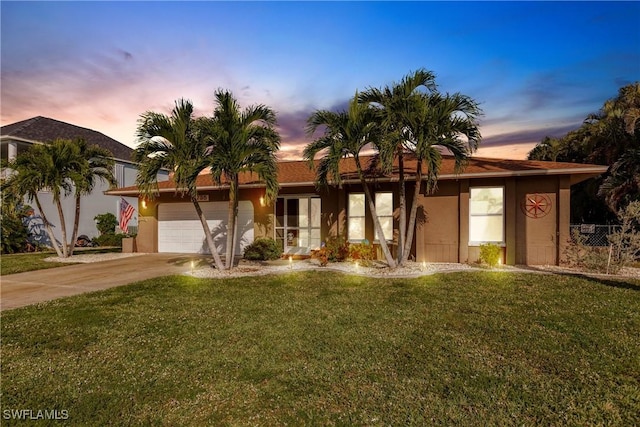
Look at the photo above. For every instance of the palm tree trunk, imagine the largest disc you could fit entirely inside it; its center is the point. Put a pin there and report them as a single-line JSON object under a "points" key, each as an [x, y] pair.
{"points": [[63, 230], [76, 222], [376, 221], [207, 232], [235, 221], [47, 226], [231, 222], [402, 225], [411, 229]]}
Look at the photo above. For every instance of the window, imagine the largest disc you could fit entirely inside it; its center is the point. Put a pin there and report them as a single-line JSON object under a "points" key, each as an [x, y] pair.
{"points": [[486, 215], [384, 209], [355, 214], [298, 223]]}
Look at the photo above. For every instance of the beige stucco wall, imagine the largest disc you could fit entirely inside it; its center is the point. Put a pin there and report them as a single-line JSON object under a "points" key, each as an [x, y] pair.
{"points": [[442, 233]]}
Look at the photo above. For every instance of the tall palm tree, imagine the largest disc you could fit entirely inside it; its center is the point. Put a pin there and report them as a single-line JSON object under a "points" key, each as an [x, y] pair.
{"points": [[346, 134], [173, 142], [548, 149], [241, 141], [438, 123], [52, 167], [395, 104], [97, 166]]}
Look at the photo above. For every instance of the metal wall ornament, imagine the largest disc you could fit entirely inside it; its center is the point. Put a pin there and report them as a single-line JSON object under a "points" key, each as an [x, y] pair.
{"points": [[536, 205]]}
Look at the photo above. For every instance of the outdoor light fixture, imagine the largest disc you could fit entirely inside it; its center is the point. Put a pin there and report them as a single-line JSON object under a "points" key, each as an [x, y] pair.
{"points": [[193, 263], [262, 201], [144, 204], [356, 265], [424, 265], [290, 262]]}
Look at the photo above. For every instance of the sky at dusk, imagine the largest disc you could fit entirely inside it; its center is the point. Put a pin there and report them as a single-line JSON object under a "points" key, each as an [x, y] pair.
{"points": [[537, 68]]}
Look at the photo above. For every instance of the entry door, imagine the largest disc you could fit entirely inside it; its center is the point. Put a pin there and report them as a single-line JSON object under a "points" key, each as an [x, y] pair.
{"points": [[297, 227]]}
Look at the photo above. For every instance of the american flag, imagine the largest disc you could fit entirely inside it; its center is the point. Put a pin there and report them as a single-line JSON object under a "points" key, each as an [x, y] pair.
{"points": [[126, 212]]}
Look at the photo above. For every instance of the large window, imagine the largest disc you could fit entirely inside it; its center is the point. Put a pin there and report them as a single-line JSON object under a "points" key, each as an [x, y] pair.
{"points": [[486, 215], [384, 209], [297, 226], [355, 212]]}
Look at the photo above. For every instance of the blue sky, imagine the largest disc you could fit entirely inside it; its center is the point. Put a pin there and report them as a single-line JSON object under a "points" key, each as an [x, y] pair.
{"points": [[537, 68]]}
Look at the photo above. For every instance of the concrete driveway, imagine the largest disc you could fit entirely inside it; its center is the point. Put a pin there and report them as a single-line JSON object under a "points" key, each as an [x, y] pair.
{"points": [[32, 287]]}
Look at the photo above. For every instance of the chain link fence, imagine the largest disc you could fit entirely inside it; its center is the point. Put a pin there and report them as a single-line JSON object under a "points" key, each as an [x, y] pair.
{"points": [[595, 235]]}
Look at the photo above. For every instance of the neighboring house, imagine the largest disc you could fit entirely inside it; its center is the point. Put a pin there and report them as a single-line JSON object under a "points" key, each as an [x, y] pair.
{"points": [[521, 205], [17, 137]]}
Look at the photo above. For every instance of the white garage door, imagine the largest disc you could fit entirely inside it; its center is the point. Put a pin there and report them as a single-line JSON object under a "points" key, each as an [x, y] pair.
{"points": [[180, 230]]}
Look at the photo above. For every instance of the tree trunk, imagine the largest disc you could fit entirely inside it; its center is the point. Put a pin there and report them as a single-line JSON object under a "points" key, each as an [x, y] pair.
{"points": [[376, 221], [231, 222], [76, 223], [235, 223], [411, 229], [402, 220], [47, 225], [207, 232], [63, 229]]}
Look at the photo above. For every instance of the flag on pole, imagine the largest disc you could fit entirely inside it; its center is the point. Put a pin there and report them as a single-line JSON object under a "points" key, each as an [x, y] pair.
{"points": [[126, 212]]}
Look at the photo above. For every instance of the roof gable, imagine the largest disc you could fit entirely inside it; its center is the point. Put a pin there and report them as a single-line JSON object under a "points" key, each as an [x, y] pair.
{"points": [[44, 129]]}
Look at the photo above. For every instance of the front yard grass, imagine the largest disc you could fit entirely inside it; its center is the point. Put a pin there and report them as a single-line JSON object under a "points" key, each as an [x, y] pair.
{"points": [[308, 348], [19, 263]]}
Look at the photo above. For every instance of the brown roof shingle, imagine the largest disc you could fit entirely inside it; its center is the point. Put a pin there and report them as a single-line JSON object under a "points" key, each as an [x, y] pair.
{"points": [[298, 173], [44, 129]]}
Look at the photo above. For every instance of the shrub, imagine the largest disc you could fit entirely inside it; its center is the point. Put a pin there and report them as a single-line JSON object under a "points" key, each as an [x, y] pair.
{"points": [[106, 223], [490, 254], [321, 255], [363, 252], [14, 231], [263, 249], [337, 249], [110, 239]]}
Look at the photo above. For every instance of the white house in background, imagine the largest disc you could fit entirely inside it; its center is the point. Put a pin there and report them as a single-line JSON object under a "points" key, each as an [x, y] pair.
{"points": [[17, 137]]}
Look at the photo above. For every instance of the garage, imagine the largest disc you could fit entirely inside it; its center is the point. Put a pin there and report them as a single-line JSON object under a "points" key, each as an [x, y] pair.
{"points": [[180, 231]]}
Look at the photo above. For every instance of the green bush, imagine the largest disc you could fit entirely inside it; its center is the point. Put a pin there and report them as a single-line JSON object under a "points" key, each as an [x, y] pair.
{"points": [[110, 239], [490, 254], [263, 249], [363, 252], [14, 231], [337, 249], [106, 223]]}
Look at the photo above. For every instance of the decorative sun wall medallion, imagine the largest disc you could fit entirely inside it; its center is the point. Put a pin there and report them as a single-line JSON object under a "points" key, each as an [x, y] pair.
{"points": [[536, 205]]}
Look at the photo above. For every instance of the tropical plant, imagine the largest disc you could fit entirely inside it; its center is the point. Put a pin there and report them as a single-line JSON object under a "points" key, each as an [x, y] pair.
{"points": [[423, 124], [14, 232], [240, 141], [106, 223], [98, 164], [490, 254], [174, 143], [262, 249], [609, 137], [53, 167], [346, 134]]}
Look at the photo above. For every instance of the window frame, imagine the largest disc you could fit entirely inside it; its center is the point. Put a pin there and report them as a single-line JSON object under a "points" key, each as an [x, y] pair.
{"points": [[501, 214], [362, 217], [390, 216]]}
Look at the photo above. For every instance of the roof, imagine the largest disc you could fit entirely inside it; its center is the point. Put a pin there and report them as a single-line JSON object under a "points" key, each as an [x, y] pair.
{"points": [[297, 173], [44, 129]]}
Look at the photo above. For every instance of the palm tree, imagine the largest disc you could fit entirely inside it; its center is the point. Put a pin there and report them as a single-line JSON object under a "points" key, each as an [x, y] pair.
{"points": [[52, 167], [395, 103], [172, 142], [548, 149], [98, 165], [423, 123], [438, 123], [346, 134], [241, 141]]}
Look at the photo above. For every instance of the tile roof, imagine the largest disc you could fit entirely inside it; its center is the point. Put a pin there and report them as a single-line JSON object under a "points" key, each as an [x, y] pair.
{"points": [[298, 173], [44, 129]]}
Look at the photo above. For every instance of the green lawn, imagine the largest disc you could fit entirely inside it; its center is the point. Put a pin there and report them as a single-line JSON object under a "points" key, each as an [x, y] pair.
{"points": [[19, 263], [310, 348]]}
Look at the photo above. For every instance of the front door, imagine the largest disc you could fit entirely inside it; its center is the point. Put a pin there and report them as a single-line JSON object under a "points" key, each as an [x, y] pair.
{"points": [[297, 227]]}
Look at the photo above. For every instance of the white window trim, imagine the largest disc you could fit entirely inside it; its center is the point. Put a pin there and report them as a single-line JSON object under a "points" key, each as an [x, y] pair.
{"points": [[363, 217], [502, 214], [376, 240]]}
